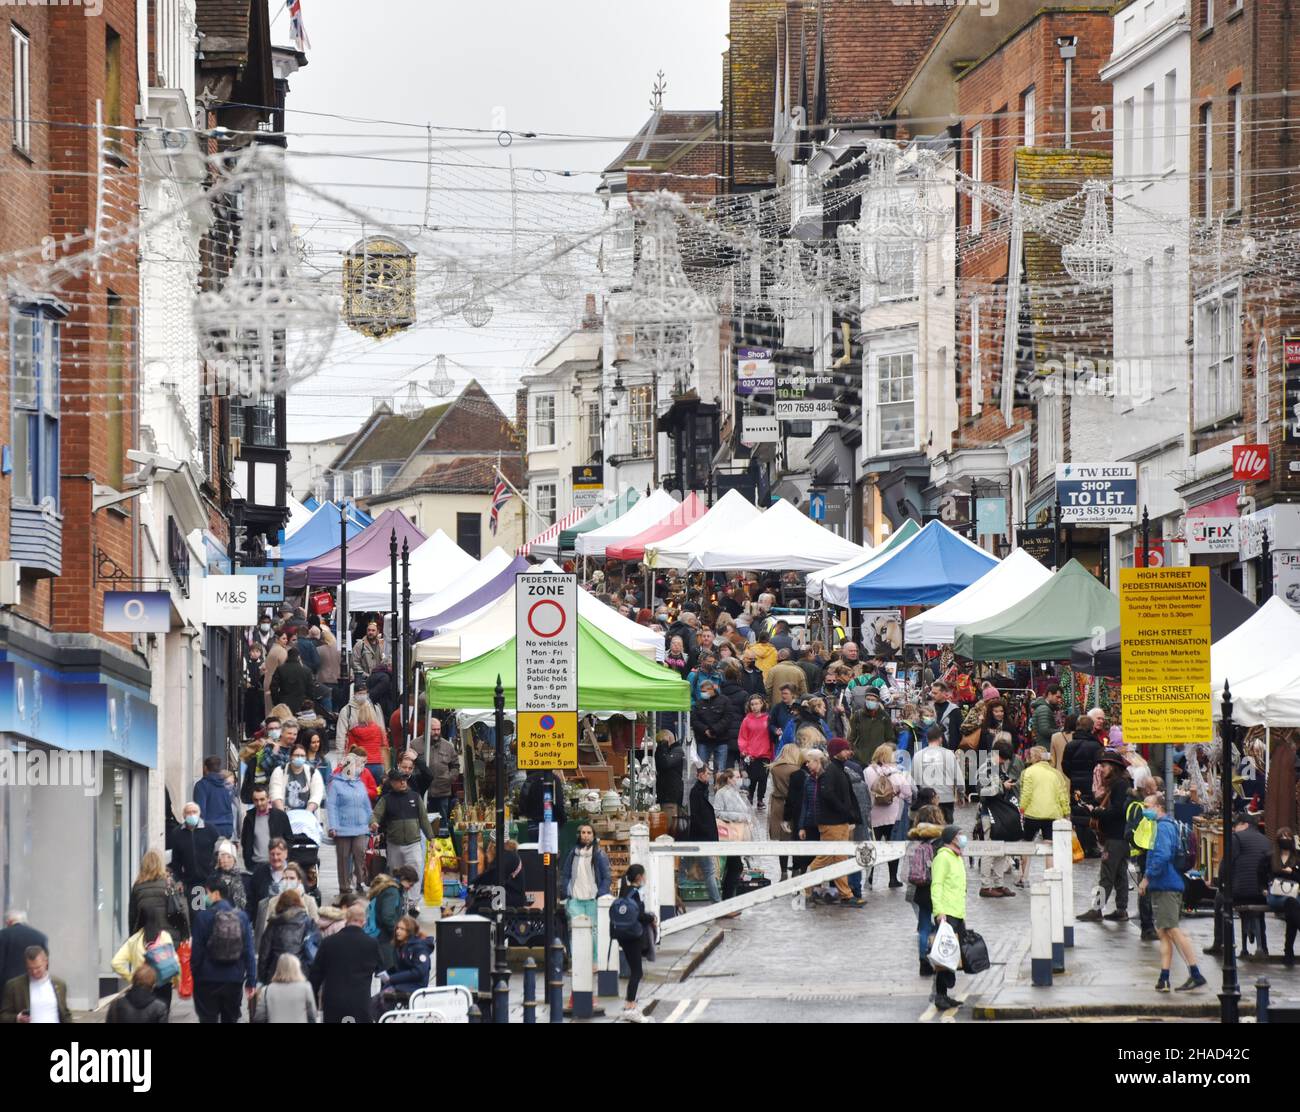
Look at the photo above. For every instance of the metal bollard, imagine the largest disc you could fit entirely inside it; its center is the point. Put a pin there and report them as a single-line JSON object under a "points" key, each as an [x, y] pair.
{"points": [[501, 997], [1040, 934], [582, 972], [1063, 862], [555, 981], [666, 867], [471, 856], [1261, 1000], [607, 954], [1053, 877], [475, 1016], [530, 991]]}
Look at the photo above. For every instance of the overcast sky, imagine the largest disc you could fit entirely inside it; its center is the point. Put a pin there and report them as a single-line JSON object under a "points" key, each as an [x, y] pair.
{"points": [[581, 67]]}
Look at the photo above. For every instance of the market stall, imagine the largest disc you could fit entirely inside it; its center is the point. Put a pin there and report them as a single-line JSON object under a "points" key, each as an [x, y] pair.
{"points": [[545, 540], [299, 516], [319, 535], [567, 538], [731, 512], [641, 515], [444, 606], [831, 585], [434, 566], [780, 539], [688, 511], [1045, 624], [937, 565], [367, 552], [1260, 660], [1016, 577]]}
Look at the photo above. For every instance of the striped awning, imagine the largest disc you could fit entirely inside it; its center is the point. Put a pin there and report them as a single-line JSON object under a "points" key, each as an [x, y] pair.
{"points": [[552, 531]]}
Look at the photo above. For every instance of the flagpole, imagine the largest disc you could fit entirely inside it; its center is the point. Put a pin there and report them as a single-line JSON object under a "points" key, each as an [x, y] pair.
{"points": [[515, 491]]}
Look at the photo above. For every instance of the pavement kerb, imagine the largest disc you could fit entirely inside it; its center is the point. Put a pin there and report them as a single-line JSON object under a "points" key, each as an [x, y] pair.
{"points": [[1208, 1009], [712, 941]]}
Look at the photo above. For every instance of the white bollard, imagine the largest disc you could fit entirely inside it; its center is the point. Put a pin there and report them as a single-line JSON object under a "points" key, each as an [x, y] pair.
{"points": [[639, 854], [607, 954], [1063, 862], [1053, 878], [666, 867], [581, 928], [1040, 934]]}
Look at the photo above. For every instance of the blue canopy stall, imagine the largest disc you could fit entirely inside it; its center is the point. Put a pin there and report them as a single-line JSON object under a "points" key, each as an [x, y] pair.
{"points": [[932, 567]]}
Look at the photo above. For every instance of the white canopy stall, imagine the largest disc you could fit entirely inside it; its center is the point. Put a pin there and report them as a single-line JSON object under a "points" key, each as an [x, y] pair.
{"points": [[434, 565], [645, 513], [731, 513], [779, 539]]}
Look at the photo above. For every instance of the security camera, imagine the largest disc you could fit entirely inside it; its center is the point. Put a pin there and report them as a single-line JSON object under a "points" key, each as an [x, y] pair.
{"points": [[1068, 45], [152, 461]]}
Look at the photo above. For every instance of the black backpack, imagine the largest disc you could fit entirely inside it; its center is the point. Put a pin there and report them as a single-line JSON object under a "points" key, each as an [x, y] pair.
{"points": [[226, 944], [532, 799], [287, 938], [625, 919]]}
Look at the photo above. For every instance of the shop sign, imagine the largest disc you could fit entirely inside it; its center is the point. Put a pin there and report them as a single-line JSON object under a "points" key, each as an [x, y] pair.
{"points": [[1214, 535], [755, 372], [229, 600], [1097, 493], [1291, 413], [804, 395], [1286, 577], [546, 670], [588, 485], [1250, 463]]}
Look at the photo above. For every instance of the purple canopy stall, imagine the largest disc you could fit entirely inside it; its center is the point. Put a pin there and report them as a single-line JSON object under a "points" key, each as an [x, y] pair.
{"points": [[367, 553], [492, 590]]}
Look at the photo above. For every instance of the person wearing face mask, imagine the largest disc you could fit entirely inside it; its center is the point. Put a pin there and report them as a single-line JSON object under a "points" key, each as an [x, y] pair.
{"points": [[710, 725], [251, 681], [289, 930], [296, 786], [228, 870], [193, 847], [263, 825], [948, 903], [870, 728]]}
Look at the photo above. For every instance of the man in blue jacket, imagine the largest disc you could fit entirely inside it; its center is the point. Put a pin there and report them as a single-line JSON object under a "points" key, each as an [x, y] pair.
{"points": [[1165, 883], [216, 805], [221, 963]]}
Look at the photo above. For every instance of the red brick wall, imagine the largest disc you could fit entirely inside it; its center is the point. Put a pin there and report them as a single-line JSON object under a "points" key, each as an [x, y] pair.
{"points": [[68, 76], [1258, 50]]}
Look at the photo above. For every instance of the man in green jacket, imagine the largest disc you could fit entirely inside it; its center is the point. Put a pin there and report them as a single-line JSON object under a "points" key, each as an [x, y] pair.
{"points": [[948, 903], [870, 728], [1042, 716], [35, 996], [400, 813]]}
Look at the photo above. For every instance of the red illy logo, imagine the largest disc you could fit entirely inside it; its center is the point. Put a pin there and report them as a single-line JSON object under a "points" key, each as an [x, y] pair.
{"points": [[1250, 463]]}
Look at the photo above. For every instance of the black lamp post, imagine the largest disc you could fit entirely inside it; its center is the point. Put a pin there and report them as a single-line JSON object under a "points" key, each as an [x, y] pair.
{"points": [[499, 721], [392, 615], [405, 636], [345, 634], [1230, 996]]}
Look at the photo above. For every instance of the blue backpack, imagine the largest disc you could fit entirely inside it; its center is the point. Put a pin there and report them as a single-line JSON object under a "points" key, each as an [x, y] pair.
{"points": [[1184, 858], [372, 925], [162, 956], [625, 919]]}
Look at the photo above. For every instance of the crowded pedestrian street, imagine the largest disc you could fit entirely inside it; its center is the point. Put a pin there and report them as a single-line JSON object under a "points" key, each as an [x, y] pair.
{"points": [[668, 512]]}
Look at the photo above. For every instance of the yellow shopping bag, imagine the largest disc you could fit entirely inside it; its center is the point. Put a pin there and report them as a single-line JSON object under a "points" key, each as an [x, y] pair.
{"points": [[432, 877]]}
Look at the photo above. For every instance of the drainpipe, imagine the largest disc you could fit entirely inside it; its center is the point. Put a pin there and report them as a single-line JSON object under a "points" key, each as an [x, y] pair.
{"points": [[1068, 45]]}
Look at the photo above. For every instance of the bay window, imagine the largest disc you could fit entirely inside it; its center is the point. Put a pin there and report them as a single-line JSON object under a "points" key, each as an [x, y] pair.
{"points": [[641, 406], [895, 395]]}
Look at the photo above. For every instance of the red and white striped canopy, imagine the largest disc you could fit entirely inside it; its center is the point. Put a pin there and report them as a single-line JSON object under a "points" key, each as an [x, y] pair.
{"points": [[552, 531]]}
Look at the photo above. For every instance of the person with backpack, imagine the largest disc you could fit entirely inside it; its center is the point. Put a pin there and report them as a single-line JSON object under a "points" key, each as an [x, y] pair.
{"points": [[401, 815], [630, 925], [139, 1003], [289, 931], [1167, 860], [384, 907], [223, 957], [1140, 834], [926, 832], [890, 789], [155, 950]]}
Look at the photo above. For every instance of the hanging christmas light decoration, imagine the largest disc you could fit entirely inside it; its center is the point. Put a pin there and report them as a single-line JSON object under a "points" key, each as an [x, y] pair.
{"points": [[269, 326], [931, 206], [1090, 260], [456, 290], [558, 279], [476, 311], [888, 227], [662, 307], [440, 385], [790, 293]]}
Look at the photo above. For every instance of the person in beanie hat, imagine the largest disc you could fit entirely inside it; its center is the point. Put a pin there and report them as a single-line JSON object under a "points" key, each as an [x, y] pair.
{"points": [[948, 902], [401, 815]]}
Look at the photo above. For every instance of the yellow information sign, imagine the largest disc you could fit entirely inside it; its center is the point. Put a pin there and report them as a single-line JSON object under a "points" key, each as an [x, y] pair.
{"points": [[1165, 655], [546, 739]]}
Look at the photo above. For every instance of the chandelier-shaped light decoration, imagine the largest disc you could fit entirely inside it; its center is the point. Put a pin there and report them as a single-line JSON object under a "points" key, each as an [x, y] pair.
{"points": [[888, 226], [1090, 260], [558, 279], [269, 326], [440, 385], [477, 311], [930, 204], [456, 290], [662, 308], [790, 293]]}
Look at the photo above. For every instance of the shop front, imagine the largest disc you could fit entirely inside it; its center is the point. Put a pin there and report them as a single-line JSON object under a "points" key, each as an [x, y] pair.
{"points": [[76, 749]]}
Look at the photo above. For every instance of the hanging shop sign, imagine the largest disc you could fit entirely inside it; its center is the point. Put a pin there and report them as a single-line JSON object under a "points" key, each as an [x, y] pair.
{"points": [[1097, 493], [270, 584], [137, 612], [1291, 414], [229, 600], [803, 395], [755, 372], [1214, 535], [546, 670], [588, 485], [1038, 543], [1153, 557], [759, 430], [1165, 655], [991, 517], [1286, 577], [1250, 463]]}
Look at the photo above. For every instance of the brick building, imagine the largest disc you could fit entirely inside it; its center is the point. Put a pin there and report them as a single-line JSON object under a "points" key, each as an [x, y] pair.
{"points": [[1244, 187]]}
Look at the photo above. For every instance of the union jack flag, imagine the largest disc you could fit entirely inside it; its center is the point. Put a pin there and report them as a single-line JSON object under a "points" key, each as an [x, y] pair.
{"points": [[297, 29], [500, 496]]}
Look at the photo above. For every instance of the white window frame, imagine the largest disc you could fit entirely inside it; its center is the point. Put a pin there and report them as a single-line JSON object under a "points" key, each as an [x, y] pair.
{"points": [[903, 359], [641, 421], [1238, 145], [1262, 396], [340, 486], [1146, 334], [1149, 131], [359, 482], [1216, 387], [976, 363], [595, 430], [1128, 116], [977, 177], [21, 57], [376, 478], [1171, 331], [544, 502], [1049, 429], [1209, 15], [538, 423], [1029, 101], [1171, 119], [35, 457], [1205, 131]]}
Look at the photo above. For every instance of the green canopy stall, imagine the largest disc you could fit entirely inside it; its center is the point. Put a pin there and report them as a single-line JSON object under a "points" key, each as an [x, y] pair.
{"points": [[612, 511], [610, 678], [1046, 624]]}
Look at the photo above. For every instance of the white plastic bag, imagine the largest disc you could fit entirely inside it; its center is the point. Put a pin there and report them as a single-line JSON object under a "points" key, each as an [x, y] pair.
{"points": [[945, 949]]}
